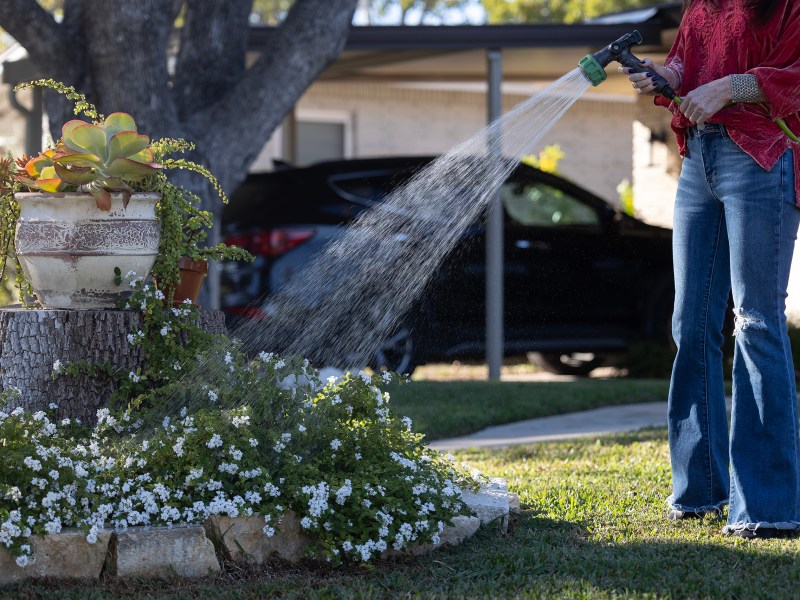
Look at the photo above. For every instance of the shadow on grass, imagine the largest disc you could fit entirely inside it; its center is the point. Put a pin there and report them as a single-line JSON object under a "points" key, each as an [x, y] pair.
{"points": [[538, 558]]}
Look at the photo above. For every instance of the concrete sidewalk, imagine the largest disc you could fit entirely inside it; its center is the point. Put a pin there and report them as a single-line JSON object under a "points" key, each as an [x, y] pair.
{"points": [[610, 419]]}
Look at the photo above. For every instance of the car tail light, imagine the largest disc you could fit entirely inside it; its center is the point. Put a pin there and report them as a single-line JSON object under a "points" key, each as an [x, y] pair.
{"points": [[251, 313], [272, 243]]}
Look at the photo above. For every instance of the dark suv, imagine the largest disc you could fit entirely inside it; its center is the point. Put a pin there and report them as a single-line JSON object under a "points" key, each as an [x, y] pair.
{"points": [[582, 280]]}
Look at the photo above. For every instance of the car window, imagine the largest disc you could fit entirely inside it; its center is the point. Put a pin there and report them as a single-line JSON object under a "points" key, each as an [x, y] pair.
{"points": [[541, 205], [365, 189]]}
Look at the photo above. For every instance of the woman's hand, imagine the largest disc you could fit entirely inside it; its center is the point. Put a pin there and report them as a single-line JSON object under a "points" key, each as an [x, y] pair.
{"points": [[643, 82], [702, 103]]}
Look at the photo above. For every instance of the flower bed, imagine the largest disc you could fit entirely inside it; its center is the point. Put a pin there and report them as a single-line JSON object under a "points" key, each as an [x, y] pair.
{"points": [[234, 438]]}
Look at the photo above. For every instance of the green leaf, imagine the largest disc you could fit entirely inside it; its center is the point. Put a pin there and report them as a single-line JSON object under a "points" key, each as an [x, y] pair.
{"points": [[79, 160], [145, 156], [129, 169], [69, 127], [75, 176], [48, 185], [126, 144], [119, 121], [88, 138]]}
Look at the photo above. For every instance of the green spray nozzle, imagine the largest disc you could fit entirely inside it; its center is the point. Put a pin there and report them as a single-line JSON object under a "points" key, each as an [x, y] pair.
{"points": [[593, 65]]}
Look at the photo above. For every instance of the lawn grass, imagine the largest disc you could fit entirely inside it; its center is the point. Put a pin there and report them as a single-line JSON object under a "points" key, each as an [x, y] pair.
{"points": [[593, 526], [453, 408]]}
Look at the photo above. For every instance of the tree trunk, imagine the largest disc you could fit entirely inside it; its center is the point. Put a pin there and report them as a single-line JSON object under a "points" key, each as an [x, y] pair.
{"points": [[122, 55], [31, 341]]}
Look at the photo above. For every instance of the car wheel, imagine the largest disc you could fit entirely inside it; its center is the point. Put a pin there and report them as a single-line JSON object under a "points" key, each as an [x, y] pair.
{"points": [[398, 354], [574, 363]]}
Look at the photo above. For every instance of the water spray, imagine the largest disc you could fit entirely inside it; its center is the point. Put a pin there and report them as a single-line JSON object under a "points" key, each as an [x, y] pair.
{"points": [[593, 66]]}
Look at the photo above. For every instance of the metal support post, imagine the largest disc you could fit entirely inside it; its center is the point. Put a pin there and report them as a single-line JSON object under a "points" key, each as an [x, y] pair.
{"points": [[494, 228]]}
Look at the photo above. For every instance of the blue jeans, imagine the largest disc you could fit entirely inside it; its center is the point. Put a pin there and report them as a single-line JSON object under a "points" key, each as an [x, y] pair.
{"points": [[734, 231]]}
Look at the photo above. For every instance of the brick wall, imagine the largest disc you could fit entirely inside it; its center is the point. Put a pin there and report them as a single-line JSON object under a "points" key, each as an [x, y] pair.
{"points": [[391, 120]]}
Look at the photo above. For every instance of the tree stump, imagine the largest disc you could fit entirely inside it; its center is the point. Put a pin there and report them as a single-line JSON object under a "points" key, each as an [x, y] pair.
{"points": [[31, 341]]}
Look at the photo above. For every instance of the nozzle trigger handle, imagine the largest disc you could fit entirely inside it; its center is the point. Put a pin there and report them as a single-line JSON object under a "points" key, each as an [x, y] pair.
{"points": [[662, 86]]}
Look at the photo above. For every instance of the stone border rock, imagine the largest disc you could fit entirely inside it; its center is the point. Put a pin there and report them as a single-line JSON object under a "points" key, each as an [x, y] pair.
{"points": [[196, 550]]}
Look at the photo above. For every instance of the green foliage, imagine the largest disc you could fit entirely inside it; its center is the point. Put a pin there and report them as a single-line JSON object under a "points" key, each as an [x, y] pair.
{"points": [[555, 11], [271, 12], [262, 437], [625, 191], [184, 226], [547, 159]]}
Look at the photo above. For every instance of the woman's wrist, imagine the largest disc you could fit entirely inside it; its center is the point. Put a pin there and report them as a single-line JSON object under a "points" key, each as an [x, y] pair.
{"points": [[673, 77], [744, 88]]}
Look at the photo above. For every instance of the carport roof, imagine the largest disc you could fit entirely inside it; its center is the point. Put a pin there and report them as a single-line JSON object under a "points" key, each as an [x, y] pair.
{"points": [[458, 53]]}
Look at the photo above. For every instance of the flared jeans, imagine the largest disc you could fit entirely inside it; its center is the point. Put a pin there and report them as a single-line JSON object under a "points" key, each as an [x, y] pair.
{"points": [[734, 232]]}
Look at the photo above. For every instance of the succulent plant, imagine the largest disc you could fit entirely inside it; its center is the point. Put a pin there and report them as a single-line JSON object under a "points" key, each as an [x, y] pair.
{"points": [[96, 158]]}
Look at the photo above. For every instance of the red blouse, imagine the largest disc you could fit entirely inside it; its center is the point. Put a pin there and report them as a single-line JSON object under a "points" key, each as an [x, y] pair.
{"points": [[713, 43]]}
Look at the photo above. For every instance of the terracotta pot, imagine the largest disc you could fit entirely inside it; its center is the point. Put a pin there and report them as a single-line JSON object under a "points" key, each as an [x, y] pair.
{"points": [[192, 274], [68, 248]]}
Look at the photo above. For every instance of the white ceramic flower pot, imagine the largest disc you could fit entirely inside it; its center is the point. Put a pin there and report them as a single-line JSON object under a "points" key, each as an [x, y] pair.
{"points": [[68, 248]]}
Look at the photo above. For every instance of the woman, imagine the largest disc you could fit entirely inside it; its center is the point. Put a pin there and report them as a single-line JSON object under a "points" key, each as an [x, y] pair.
{"points": [[736, 63]]}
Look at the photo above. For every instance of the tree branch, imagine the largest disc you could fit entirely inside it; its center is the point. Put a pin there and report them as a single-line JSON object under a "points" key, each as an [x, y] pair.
{"points": [[36, 30], [311, 37], [211, 59]]}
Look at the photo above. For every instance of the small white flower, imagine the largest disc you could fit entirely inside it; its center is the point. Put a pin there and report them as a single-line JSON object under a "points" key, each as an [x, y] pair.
{"points": [[32, 463], [92, 535], [178, 447], [212, 395], [301, 428], [215, 441], [23, 561], [133, 377], [336, 444], [57, 366], [253, 442], [240, 420]]}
